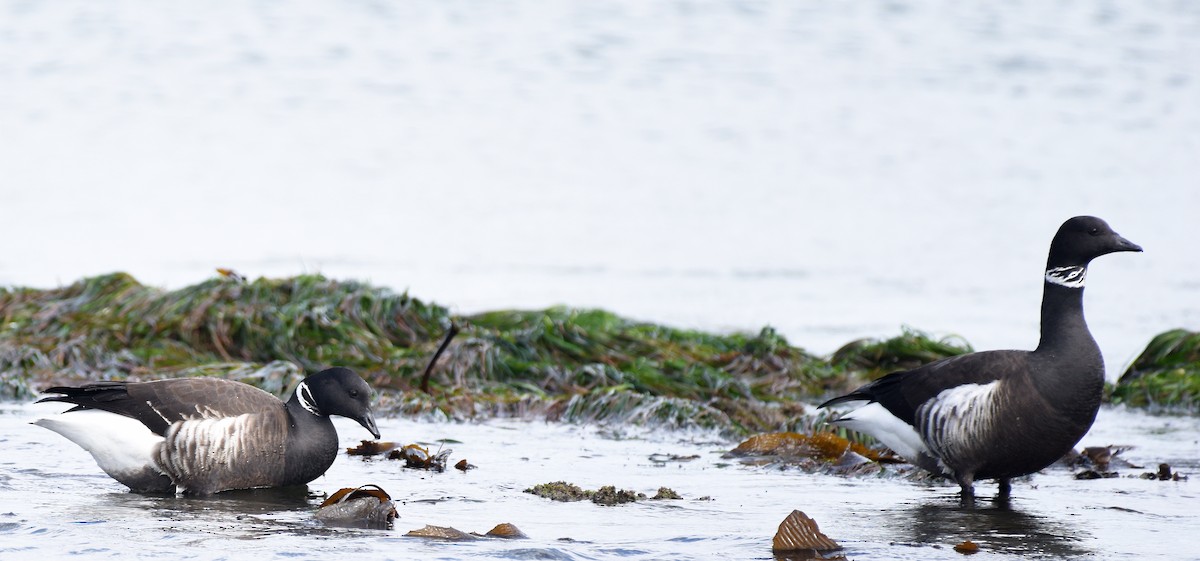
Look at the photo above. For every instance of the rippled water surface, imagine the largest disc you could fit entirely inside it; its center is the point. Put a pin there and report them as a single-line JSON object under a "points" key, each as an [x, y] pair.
{"points": [[55, 502]]}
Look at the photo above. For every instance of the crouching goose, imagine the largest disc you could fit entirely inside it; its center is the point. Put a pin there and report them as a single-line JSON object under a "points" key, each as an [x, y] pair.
{"points": [[206, 435], [1001, 414]]}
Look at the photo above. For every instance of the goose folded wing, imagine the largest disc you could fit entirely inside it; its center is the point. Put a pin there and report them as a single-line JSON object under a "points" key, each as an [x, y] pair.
{"points": [[160, 403], [901, 393]]}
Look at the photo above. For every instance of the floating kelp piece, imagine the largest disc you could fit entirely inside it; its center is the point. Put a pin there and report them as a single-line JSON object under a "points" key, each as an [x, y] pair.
{"points": [[824, 446], [442, 533], [798, 533], [967, 547], [1095, 474], [371, 448], [506, 531], [418, 457], [368, 506], [463, 465]]}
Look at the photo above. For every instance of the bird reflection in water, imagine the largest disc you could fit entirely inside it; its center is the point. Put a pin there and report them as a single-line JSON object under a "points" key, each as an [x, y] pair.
{"points": [[996, 526]]}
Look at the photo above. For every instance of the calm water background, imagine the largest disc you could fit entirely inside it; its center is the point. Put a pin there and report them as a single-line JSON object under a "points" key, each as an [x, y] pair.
{"points": [[833, 169]]}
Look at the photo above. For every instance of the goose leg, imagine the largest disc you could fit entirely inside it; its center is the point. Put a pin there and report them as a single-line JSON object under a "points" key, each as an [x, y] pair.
{"points": [[967, 482], [1005, 490]]}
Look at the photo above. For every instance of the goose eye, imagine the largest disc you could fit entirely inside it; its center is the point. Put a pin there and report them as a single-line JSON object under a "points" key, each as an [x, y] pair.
{"points": [[353, 393], [1094, 231]]}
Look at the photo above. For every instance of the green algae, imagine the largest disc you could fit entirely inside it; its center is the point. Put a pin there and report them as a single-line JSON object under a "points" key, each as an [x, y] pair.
{"points": [[664, 494], [608, 495], [560, 491], [565, 364], [1165, 375], [912, 348], [112, 325]]}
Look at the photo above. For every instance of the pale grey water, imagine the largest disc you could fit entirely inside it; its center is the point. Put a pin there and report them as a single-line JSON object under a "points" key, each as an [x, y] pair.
{"points": [[833, 169], [55, 503]]}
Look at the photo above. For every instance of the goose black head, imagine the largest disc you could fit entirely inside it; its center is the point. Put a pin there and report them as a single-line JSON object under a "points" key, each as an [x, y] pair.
{"points": [[338, 391], [1083, 238]]}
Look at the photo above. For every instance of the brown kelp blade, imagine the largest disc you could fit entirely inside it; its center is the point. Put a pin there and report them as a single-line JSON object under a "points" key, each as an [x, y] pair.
{"points": [[823, 446], [350, 493], [418, 457], [506, 531], [798, 532], [441, 533], [371, 448], [368, 506]]}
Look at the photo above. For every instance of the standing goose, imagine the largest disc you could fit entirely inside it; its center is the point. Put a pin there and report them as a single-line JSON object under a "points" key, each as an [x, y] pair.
{"points": [[206, 435], [1001, 414]]}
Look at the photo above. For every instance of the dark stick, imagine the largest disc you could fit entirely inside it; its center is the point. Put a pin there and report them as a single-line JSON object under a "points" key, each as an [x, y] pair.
{"points": [[445, 343]]}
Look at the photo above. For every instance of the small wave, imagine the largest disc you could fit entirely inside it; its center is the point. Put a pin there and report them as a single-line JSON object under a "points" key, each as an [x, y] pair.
{"points": [[547, 553]]}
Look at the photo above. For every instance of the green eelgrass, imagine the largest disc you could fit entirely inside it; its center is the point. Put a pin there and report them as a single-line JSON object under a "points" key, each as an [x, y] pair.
{"points": [[1166, 374], [912, 348], [561, 363]]}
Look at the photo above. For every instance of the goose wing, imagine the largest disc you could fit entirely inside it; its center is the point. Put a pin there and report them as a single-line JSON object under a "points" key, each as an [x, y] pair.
{"points": [[160, 403], [903, 392]]}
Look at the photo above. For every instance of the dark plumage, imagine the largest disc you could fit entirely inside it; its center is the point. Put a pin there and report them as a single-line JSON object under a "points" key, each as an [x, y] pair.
{"points": [[206, 435], [1001, 414]]}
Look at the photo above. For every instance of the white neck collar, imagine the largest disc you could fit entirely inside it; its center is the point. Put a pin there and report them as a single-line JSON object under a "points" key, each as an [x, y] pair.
{"points": [[1070, 277], [304, 395]]}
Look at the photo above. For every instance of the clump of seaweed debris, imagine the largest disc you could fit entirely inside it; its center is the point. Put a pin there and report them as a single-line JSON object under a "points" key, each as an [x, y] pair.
{"points": [[1095, 462], [665, 493], [560, 491], [1102, 462], [1164, 473], [416, 456], [607, 495]]}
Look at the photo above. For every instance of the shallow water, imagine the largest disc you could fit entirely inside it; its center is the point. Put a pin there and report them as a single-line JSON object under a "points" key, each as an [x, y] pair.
{"points": [[55, 502]]}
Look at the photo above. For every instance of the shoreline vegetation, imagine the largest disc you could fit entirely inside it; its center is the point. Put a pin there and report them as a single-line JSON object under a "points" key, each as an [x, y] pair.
{"points": [[560, 364]]}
